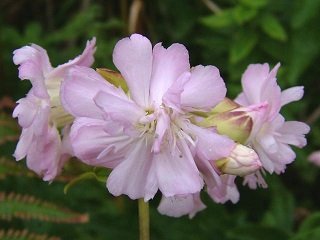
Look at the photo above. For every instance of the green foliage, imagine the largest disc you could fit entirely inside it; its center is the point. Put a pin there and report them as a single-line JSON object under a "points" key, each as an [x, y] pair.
{"points": [[28, 207], [239, 33], [13, 234]]}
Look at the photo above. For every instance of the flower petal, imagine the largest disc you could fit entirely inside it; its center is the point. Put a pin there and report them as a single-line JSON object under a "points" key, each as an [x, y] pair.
{"points": [[291, 94], [93, 143], [120, 109], [176, 171], [79, 88], [178, 206], [86, 59], [130, 176], [34, 65], [207, 81], [24, 144], [168, 65], [133, 57], [293, 132]]}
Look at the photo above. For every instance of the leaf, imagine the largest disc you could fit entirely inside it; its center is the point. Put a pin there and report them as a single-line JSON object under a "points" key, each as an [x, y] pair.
{"points": [[281, 211], [309, 235], [10, 167], [312, 222], [254, 232], [26, 207], [254, 3], [14, 234], [220, 20], [243, 14], [306, 10], [242, 45], [9, 129], [273, 28], [84, 176]]}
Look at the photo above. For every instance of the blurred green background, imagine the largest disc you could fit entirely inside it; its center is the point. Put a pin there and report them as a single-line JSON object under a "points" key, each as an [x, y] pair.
{"points": [[229, 34]]}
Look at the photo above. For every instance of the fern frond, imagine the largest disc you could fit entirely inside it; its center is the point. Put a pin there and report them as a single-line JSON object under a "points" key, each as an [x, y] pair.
{"points": [[9, 129], [28, 207], [10, 167], [14, 234]]}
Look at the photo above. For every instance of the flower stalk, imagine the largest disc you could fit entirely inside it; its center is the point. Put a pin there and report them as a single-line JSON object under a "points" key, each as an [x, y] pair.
{"points": [[144, 221]]}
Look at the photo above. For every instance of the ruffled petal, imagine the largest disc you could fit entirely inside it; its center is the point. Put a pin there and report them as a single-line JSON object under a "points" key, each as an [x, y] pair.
{"points": [[79, 88], [24, 144], [34, 65], [86, 59], [130, 176], [120, 109], [293, 132], [44, 155], [209, 144], [291, 94], [168, 65], [205, 80], [97, 142], [133, 57], [178, 206], [25, 111], [226, 191], [176, 170]]}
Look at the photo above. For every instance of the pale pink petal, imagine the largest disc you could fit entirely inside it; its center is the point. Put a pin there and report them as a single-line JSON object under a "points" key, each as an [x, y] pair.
{"points": [[293, 132], [172, 97], [226, 191], [93, 144], [86, 59], [25, 111], [34, 65], [119, 108], [205, 89], [255, 180], [24, 144], [282, 157], [133, 57], [176, 170], [130, 176], [44, 155], [242, 100], [178, 206], [163, 124], [80, 86], [209, 144], [168, 65], [291, 94], [264, 157], [315, 158]]}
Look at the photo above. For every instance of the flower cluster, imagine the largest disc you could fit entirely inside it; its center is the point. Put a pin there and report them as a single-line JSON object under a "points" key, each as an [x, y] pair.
{"points": [[160, 124]]}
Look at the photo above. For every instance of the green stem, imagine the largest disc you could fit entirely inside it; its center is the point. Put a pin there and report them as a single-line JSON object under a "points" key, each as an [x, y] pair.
{"points": [[144, 221]]}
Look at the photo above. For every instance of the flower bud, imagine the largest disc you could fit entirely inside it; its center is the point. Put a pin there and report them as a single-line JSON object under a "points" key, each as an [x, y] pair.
{"points": [[241, 162], [113, 77]]}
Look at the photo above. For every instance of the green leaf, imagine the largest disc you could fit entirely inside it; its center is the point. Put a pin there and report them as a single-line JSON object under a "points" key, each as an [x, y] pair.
{"points": [[242, 45], [306, 10], [243, 14], [309, 235], [254, 232], [273, 28], [312, 222], [254, 3], [82, 177], [281, 211], [14, 205], [220, 20]]}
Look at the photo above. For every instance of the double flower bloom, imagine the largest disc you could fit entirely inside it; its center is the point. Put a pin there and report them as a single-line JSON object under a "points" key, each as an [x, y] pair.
{"points": [[172, 131]]}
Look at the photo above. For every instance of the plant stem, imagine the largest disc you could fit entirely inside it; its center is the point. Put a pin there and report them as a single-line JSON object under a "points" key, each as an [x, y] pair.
{"points": [[144, 220]]}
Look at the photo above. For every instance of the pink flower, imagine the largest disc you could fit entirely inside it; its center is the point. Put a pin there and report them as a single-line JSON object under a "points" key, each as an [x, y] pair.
{"points": [[147, 136], [40, 113], [271, 134], [315, 158]]}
